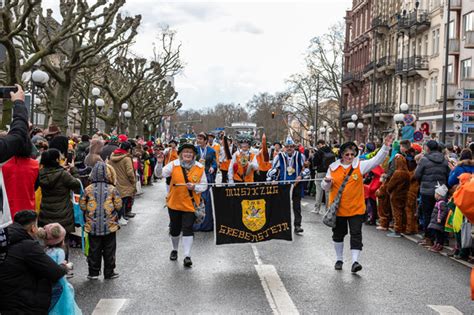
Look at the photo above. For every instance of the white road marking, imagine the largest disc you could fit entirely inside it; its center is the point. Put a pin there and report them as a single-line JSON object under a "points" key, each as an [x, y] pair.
{"points": [[277, 296], [446, 309], [256, 254], [109, 306]]}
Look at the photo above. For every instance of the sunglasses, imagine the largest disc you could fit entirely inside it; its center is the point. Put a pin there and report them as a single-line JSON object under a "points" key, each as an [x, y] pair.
{"points": [[349, 154]]}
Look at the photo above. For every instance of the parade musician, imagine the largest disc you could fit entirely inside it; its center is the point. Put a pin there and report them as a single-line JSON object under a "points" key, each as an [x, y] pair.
{"points": [[243, 164]]}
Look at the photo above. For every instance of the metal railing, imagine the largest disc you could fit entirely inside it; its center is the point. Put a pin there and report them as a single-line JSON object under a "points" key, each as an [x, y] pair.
{"points": [[348, 113], [414, 18], [380, 108], [418, 63], [385, 61], [369, 66], [380, 21]]}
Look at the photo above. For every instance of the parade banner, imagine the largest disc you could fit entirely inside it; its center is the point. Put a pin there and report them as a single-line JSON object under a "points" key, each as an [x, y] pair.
{"points": [[252, 214]]}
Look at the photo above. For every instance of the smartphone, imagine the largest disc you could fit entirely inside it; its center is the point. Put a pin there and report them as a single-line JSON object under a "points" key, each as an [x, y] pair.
{"points": [[69, 157], [5, 91]]}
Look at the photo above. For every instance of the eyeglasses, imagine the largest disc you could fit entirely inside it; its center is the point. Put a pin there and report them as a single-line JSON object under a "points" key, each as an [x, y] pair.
{"points": [[349, 154]]}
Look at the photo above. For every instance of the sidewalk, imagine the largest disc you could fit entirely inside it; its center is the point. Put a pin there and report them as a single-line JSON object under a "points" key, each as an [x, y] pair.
{"points": [[308, 203]]}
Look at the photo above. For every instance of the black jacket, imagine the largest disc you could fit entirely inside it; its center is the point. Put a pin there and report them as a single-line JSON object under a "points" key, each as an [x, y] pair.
{"points": [[26, 275], [317, 162], [432, 169], [17, 137]]}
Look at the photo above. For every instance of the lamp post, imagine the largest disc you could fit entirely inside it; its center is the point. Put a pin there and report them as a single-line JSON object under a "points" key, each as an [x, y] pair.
{"points": [[127, 114], [74, 111], [351, 126], [445, 79], [98, 103], [124, 107], [398, 118], [38, 78]]}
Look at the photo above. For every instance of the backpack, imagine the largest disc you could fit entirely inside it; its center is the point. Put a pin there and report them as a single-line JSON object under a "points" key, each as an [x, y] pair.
{"points": [[327, 159], [463, 196]]}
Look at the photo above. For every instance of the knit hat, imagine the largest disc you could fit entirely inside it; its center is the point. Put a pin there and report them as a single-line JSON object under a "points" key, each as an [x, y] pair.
{"points": [[416, 147], [432, 145], [52, 234], [441, 190]]}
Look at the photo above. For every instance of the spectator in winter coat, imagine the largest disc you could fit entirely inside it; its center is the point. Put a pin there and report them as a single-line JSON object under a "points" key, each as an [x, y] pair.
{"points": [[109, 148], [94, 153], [438, 218], [82, 147], [17, 137], [465, 165], [26, 272], [56, 185], [398, 187], [432, 170], [371, 185], [121, 161]]}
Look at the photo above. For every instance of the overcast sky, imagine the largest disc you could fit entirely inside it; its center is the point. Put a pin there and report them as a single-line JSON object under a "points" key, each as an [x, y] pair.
{"points": [[234, 49]]}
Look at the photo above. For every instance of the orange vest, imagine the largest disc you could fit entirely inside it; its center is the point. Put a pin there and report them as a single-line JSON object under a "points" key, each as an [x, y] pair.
{"points": [[171, 155], [217, 148], [178, 197], [241, 171], [224, 166], [352, 202], [262, 165]]}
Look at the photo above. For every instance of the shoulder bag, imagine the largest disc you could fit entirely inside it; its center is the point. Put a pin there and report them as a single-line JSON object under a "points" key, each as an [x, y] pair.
{"points": [[200, 210], [329, 218]]}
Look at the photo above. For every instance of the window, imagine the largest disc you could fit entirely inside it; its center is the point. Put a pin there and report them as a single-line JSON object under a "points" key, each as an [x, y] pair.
{"points": [[452, 30], [423, 92], [434, 89], [435, 42], [450, 73], [467, 23], [466, 69], [426, 42]]}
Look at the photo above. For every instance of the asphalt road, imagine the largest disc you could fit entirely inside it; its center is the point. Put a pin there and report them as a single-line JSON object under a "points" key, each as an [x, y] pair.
{"points": [[398, 277]]}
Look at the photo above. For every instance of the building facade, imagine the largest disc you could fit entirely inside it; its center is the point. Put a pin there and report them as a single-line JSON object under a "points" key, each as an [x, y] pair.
{"points": [[406, 65], [357, 49]]}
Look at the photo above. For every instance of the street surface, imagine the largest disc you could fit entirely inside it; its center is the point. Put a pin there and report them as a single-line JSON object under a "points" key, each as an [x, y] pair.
{"points": [[275, 277]]}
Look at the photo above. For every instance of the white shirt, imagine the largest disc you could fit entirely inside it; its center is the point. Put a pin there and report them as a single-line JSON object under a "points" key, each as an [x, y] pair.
{"points": [[168, 169], [364, 166]]}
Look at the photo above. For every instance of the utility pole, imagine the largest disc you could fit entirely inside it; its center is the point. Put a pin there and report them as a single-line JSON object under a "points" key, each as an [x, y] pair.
{"points": [[445, 87], [372, 135], [316, 107]]}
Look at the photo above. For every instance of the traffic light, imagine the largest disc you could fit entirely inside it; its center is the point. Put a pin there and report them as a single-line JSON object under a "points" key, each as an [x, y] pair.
{"points": [[273, 115]]}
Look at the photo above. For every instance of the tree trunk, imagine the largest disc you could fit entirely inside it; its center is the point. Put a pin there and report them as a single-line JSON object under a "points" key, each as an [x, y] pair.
{"points": [[60, 105]]}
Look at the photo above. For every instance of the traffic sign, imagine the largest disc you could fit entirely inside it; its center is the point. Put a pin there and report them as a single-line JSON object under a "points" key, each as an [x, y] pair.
{"points": [[418, 136], [469, 114], [458, 105], [459, 94], [457, 116]]}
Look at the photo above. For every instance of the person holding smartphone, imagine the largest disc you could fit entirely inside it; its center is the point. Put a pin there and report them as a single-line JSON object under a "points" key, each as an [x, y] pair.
{"points": [[18, 135]]}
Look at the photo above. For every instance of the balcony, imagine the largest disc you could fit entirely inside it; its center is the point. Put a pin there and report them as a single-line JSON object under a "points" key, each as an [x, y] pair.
{"points": [[456, 5], [352, 80], [453, 46], [369, 69], [414, 22], [412, 66], [469, 40], [380, 24], [452, 88], [386, 63], [380, 109]]}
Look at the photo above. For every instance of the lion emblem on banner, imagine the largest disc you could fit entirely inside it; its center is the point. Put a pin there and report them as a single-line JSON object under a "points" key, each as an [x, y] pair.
{"points": [[253, 214]]}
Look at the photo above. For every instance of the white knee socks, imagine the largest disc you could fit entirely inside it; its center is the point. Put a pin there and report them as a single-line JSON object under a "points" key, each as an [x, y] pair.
{"points": [[339, 247], [175, 242], [355, 255], [187, 244]]}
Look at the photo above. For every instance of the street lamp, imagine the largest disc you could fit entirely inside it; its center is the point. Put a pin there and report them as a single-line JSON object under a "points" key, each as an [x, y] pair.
{"points": [[354, 117], [404, 107], [127, 114], [124, 107], [38, 78], [351, 126], [398, 118], [98, 103], [74, 111]]}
